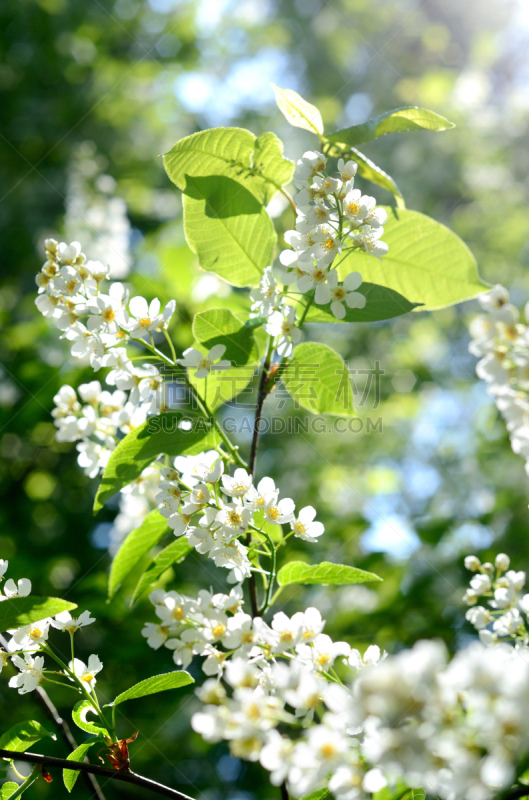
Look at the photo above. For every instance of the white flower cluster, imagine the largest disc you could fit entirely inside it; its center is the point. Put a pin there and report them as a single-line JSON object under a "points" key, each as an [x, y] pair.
{"points": [[70, 291], [95, 423], [333, 218], [456, 729], [191, 500], [33, 638], [202, 625], [502, 619], [501, 342]]}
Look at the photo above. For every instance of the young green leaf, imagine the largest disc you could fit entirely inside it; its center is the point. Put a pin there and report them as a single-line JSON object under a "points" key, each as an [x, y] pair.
{"points": [[164, 433], [324, 573], [134, 547], [79, 716], [397, 121], [8, 789], [426, 261], [318, 379], [158, 683], [17, 611], [23, 735], [368, 169], [70, 776], [229, 230], [220, 326], [297, 111], [256, 164], [174, 553], [381, 303]]}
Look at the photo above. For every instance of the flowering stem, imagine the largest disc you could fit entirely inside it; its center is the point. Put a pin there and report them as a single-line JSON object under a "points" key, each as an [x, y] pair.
{"points": [[95, 769], [88, 696], [32, 777], [232, 449], [171, 345], [306, 311], [200, 400], [43, 700], [64, 685], [270, 589], [290, 200]]}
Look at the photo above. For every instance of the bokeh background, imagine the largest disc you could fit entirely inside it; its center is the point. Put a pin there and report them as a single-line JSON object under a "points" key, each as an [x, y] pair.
{"points": [[91, 94]]}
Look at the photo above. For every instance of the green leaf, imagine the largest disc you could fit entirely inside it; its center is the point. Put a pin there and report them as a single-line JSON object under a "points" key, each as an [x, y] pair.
{"points": [[297, 111], [368, 169], [243, 344], [172, 554], [318, 379], [324, 573], [69, 776], [269, 162], [426, 262], [159, 434], [223, 385], [158, 683], [220, 326], [18, 611], [228, 228], [397, 121], [23, 735], [79, 716], [257, 164], [320, 794], [381, 303], [8, 789], [136, 545]]}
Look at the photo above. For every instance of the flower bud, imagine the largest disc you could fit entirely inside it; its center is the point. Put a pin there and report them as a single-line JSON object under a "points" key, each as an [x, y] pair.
{"points": [[502, 562], [472, 563]]}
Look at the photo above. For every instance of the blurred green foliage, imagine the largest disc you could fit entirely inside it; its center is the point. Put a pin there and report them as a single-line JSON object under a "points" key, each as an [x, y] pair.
{"points": [[110, 86]]}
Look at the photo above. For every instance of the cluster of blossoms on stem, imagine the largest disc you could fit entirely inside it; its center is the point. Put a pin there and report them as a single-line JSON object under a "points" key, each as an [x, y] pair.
{"points": [[504, 618], [99, 325], [100, 321], [501, 342], [28, 644], [215, 510], [70, 293], [333, 218], [281, 697]]}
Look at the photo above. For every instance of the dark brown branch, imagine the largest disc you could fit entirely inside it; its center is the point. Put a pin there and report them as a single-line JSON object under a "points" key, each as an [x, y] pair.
{"points": [[95, 769], [43, 700], [284, 791], [261, 397]]}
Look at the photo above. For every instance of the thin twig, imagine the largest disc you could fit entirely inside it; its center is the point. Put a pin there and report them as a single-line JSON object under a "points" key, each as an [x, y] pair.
{"points": [[43, 700], [95, 769], [284, 791]]}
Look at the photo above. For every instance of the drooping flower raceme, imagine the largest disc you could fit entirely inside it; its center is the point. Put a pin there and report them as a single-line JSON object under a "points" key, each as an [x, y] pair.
{"points": [[501, 342]]}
